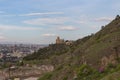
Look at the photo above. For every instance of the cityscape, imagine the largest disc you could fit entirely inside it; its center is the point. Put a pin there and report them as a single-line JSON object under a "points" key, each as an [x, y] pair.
{"points": [[15, 52]]}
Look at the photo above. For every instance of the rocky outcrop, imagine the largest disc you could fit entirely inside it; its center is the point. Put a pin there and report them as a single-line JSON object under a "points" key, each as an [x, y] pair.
{"points": [[26, 71]]}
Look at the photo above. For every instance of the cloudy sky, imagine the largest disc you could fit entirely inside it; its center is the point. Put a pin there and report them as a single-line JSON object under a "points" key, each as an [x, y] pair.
{"points": [[40, 21]]}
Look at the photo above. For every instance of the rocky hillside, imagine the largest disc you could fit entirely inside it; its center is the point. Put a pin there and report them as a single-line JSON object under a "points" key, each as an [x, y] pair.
{"points": [[91, 58]]}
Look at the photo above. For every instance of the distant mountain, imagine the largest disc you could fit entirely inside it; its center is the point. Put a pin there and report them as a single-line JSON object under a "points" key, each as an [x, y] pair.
{"points": [[90, 58]]}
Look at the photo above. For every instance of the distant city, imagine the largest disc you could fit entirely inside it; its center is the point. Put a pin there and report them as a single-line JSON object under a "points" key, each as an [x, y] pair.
{"points": [[15, 52]]}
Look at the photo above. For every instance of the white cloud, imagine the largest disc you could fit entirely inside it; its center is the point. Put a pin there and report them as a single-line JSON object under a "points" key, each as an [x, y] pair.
{"points": [[104, 19], [53, 21], [1, 33], [9, 15], [46, 13], [2, 38], [94, 27], [10, 27], [80, 22], [47, 21], [1, 11], [68, 28], [32, 14], [49, 35]]}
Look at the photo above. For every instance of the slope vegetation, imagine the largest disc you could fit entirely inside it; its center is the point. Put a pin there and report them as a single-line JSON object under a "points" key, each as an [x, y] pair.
{"points": [[90, 58]]}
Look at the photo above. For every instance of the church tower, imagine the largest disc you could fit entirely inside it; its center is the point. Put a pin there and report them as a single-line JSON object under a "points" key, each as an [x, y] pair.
{"points": [[59, 41]]}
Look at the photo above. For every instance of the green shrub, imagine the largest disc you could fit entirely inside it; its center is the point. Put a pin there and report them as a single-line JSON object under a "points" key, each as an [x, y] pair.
{"points": [[84, 70], [65, 78], [47, 76]]}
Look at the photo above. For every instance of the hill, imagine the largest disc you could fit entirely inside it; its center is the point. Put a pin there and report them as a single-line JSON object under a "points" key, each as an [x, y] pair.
{"points": [[90, 58]]}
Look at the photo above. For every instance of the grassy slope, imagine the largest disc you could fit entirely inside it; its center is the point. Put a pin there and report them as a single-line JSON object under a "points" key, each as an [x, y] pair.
{"points": [[93, 48], [113, 76]]}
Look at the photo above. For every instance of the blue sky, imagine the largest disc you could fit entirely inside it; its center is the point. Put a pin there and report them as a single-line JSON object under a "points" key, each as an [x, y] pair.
{"points": [[40, 21]]}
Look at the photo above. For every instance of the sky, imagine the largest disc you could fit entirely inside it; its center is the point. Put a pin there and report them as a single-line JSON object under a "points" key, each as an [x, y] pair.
{"points": [[41, 21]]}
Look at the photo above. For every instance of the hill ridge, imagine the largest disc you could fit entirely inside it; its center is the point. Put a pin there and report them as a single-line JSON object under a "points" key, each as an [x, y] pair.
{"points": [[97, 51]]}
